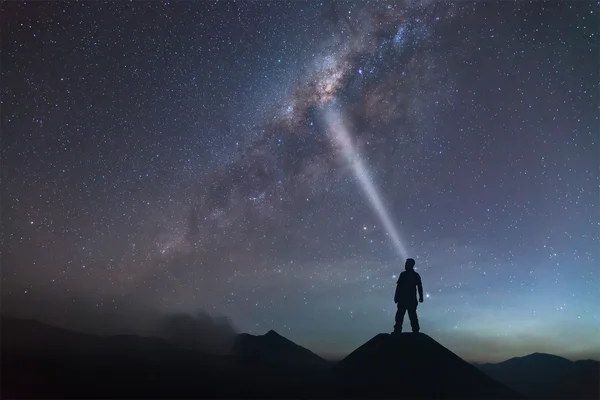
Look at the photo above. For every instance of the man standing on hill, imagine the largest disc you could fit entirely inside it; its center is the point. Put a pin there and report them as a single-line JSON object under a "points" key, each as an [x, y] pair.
{"points": [[406, 296]]}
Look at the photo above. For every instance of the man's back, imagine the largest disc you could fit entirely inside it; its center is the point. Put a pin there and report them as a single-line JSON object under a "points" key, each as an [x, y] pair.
{"points": [[406, 289]]}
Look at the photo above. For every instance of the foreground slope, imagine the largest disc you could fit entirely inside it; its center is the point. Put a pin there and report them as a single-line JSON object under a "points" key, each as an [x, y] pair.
{"points": [[548, 376], [412, 365]]}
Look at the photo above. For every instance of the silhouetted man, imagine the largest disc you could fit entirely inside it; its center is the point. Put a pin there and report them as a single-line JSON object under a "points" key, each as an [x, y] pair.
{"points": [[406, 296]]}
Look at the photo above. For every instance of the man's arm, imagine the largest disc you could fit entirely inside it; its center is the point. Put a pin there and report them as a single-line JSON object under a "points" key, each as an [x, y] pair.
{"points": [[397, 294], [420, 288]]}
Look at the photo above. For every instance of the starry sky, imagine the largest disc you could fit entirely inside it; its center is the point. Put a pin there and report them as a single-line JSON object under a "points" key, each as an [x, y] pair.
{"points": [[176, 158]]}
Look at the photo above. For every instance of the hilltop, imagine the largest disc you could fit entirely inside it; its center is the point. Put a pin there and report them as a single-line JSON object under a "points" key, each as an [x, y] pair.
{"points": [[415, 366]]}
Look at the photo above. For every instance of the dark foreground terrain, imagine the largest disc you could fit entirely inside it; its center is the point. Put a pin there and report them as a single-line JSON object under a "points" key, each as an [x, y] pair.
{"points": [[43, 361], [546, 376]]}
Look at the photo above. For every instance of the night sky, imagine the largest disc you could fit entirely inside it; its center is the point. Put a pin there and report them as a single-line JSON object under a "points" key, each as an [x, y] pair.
{"points": [[161, 158]]}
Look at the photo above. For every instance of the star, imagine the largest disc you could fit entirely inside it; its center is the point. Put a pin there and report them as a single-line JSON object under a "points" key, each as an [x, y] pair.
{"points": [[190, 166]]}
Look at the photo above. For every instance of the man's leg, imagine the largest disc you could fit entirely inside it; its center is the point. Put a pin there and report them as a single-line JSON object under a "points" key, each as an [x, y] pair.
{"points": [[414, 320], [399, 318]]}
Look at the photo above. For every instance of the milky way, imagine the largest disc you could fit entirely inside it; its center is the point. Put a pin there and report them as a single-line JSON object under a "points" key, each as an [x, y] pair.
{"points": [[166, 158]]}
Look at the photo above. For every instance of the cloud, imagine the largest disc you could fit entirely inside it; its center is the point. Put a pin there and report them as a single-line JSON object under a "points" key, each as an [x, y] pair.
{"points": [[201, 331]]}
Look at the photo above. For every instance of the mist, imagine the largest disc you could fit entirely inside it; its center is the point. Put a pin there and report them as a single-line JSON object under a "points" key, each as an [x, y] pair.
{"points": [[209, 333]]}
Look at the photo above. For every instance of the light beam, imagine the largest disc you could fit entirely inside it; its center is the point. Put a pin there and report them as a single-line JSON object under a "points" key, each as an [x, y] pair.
{"points": [[340, 136]]}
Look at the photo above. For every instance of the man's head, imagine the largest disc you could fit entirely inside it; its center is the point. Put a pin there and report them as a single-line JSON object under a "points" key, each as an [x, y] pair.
{"points": [[409, 264]]}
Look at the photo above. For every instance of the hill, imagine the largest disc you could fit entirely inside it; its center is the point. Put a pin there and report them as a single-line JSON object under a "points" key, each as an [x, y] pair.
{"points": [[280, 365], [43, 361], [415, 366], [548, 376], [275, 350], [39, 360]]}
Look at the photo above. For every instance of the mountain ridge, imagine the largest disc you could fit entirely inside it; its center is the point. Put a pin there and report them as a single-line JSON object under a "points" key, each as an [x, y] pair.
{"points": [[103, 365], [275, 349], [548, 376]]}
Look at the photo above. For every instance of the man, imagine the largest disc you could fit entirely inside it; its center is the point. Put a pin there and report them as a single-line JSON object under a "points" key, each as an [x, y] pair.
{"points": [[406, 296]]}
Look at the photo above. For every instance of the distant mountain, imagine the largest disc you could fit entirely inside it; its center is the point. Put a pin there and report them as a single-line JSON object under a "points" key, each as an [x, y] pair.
{"points": [[275, 350], [24, 336], [281, 365], [39, 360], [548, 376], [44, 361], [412, 365]]}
